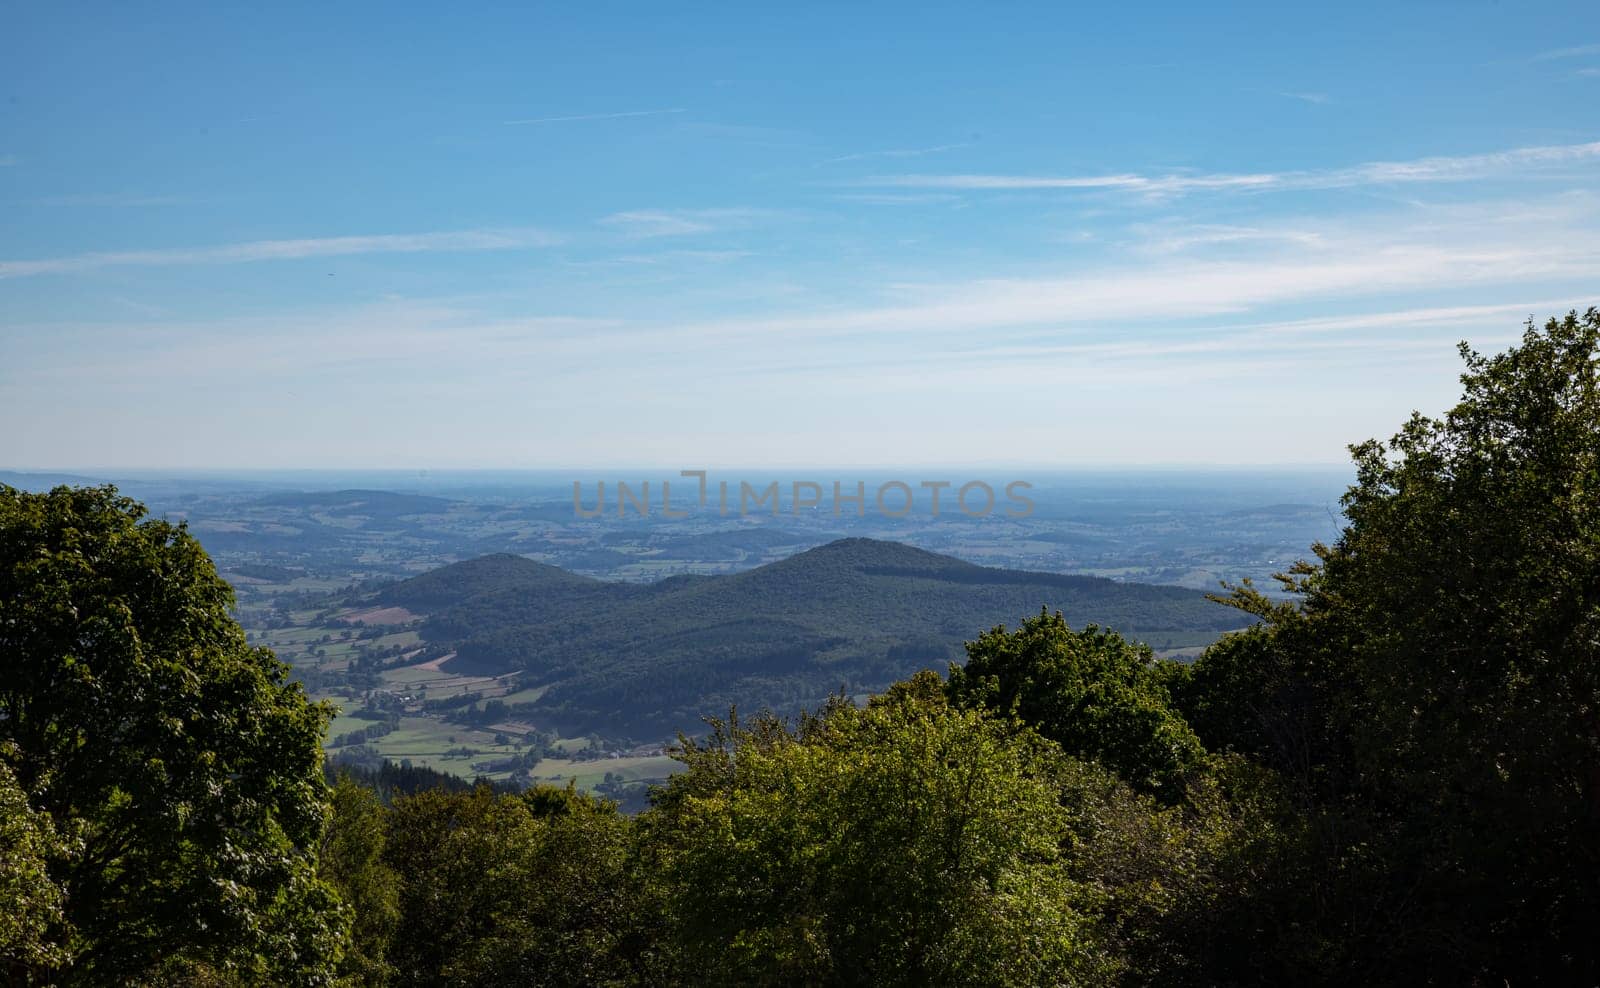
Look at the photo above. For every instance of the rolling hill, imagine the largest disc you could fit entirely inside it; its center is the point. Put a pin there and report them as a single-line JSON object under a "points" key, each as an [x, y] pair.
{"points": [[856, 614]]}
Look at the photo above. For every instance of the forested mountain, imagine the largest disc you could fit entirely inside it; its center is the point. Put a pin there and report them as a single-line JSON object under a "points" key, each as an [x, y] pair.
{"points": [[856, 614], [501, 575]]}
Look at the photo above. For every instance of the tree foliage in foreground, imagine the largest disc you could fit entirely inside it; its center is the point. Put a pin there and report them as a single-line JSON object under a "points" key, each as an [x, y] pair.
{"points": [[1094, 693], [511, 890], [32, 925], [904, 843], [351, 860], [179, 765], [1433, 696], [908, 842]]}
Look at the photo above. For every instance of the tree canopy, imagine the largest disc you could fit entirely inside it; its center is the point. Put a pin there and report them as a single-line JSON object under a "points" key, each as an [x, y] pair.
{"points": [[904, 843], [1432, 692], [1094, 693], [180, 766]]}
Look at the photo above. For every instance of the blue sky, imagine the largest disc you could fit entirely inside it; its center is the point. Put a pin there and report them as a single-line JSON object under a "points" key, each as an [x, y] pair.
{"points": [[859, 235]]}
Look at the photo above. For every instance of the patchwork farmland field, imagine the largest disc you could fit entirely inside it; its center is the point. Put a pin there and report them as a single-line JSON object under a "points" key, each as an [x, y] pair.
{"points": [[403, 712]]}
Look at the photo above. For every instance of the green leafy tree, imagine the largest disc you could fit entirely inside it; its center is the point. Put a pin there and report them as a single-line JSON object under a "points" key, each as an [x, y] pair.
{"points": [[1431, 696], [1467, 588], [534, 888], [904, 843], [1091, 691], [351, 860], [181, 763], [31, 917], [1184, 846]]}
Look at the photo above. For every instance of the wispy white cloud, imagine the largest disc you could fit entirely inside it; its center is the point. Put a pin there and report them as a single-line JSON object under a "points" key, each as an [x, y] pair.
{"points": [[595, 116], [1434, 169], [1588, 73], [1212, 235], [750, 134], [1187, 290], [1303, 95], [691, 256], [395, 331], [111, 200], [893, 153], [896, 199], [1577, 51], [656, 223], [1125, 182], [1480, 249], [680, 222], [1374, 301], [9, 160], [1472, 166], [282, 250]]}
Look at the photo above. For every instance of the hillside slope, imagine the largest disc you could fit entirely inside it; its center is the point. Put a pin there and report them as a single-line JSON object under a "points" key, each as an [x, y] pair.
{"points": [[857, 614]]}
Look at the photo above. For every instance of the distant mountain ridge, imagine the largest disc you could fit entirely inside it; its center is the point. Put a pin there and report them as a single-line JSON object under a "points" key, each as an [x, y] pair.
{"points": [[855, 614], [365, 502]]}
